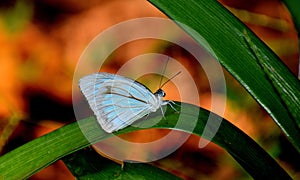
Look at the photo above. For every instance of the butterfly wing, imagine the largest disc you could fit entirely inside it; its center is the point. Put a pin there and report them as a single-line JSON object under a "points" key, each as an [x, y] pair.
{"points": [[116, 101]]}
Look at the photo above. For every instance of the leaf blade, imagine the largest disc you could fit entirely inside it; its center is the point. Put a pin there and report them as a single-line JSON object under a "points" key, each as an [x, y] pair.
{"points": [[225, 35], [33, 156]]}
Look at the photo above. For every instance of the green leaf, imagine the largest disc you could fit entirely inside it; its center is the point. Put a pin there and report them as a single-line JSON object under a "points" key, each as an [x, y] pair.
{"points": [[246, 57], [33, 156], [286, 87], [87, 164], [293, 6]]}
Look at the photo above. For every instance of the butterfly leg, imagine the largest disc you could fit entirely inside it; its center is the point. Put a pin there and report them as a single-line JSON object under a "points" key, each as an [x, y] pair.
{"points": [[170, 104], [162, 112]]}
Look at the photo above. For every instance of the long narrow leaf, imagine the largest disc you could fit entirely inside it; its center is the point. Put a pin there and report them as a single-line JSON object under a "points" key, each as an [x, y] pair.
{"points": [[87, 164], [26, 160], [293, 6], [252, 63]]}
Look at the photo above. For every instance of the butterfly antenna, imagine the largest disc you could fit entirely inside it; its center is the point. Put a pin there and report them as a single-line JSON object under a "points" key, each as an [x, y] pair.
{"points": [[170, 79], [163, 72]]}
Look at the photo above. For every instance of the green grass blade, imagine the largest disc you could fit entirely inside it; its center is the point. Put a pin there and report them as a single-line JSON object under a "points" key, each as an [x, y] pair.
{"points": [[87, 164], [26, 160], [293, 6], [261, 72], [288, 88]]}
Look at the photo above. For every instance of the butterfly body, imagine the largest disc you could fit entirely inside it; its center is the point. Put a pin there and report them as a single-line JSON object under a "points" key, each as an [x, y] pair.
{"points": [[118, 101]]}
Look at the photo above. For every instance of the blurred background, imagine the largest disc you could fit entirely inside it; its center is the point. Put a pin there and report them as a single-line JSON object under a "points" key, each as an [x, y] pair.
{"points": [[42, 40]]}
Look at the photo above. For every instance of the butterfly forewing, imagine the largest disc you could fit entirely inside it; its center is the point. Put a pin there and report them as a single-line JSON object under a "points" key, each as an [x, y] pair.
{"points": [[116, 101]]}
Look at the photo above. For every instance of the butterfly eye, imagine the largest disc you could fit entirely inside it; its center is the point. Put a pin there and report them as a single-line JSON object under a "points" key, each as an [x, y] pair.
{"points": [[160, 92]]}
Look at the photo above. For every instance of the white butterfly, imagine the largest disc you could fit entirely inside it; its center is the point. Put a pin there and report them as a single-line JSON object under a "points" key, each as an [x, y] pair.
{"points": [[118, 101]]}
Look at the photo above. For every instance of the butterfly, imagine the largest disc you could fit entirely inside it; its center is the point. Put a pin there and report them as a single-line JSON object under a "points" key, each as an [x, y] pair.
{"points": [[119, 101]]}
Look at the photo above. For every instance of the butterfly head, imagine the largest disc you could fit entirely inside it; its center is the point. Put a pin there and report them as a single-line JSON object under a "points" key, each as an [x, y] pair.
{"points": [[160, 93]]}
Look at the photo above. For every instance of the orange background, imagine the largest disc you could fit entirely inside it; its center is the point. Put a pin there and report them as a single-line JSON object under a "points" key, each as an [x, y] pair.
{"points": [[41, 42]]}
